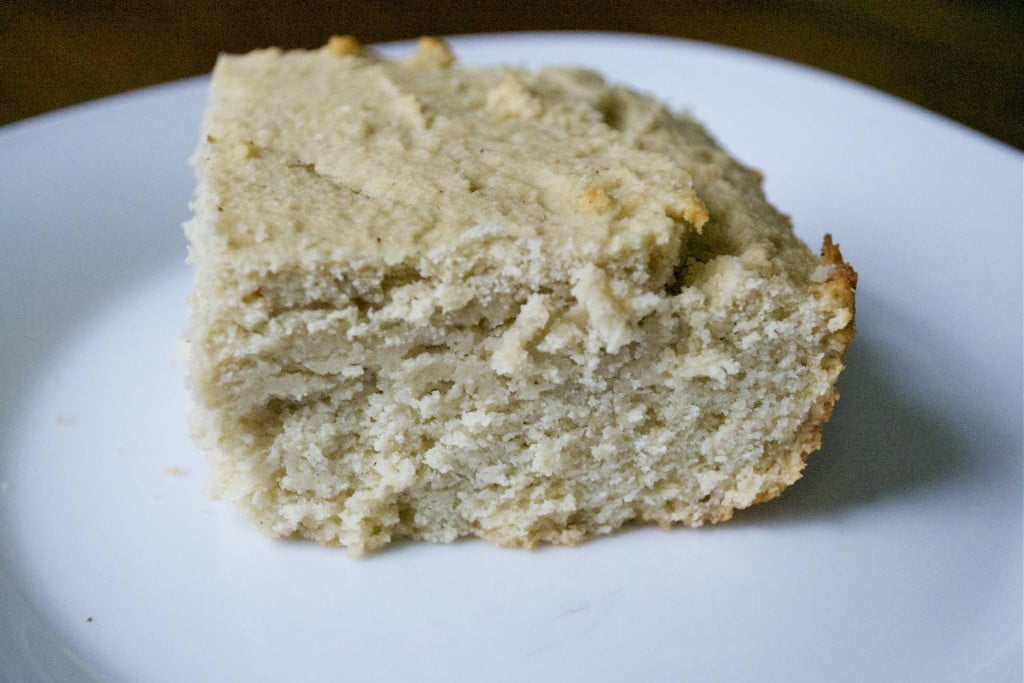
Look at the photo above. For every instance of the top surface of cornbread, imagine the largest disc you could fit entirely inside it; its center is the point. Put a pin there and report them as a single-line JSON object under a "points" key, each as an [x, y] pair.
{"points": [[341, 154]]}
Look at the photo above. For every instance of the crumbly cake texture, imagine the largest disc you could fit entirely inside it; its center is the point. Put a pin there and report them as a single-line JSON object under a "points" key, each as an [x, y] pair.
{"points": [[434, 301]]}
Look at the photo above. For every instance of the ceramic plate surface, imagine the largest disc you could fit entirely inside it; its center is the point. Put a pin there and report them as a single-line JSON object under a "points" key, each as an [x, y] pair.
{"points": [[897, 557]]}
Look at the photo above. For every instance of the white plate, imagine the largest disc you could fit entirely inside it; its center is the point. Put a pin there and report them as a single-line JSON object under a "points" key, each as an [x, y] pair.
{"points": [[897, 557]]}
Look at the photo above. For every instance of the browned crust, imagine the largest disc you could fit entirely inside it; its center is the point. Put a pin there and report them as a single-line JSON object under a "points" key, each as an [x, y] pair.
{"points": [[841, 288], [343, 46], [844, 272]]}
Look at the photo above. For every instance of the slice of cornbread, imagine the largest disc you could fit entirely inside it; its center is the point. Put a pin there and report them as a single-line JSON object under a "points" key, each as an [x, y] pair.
{"points": [[435, 301]]}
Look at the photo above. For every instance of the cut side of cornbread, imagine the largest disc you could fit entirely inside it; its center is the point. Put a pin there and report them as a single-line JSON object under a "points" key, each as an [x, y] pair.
{"points": [[435, 301]]}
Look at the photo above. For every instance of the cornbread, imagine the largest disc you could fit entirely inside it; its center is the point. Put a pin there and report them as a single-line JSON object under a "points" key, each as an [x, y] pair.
{"points": [[434, 301]]}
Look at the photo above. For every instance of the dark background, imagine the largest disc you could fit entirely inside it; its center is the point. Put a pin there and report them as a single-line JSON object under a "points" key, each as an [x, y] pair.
{"points": [[962, 59]]}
